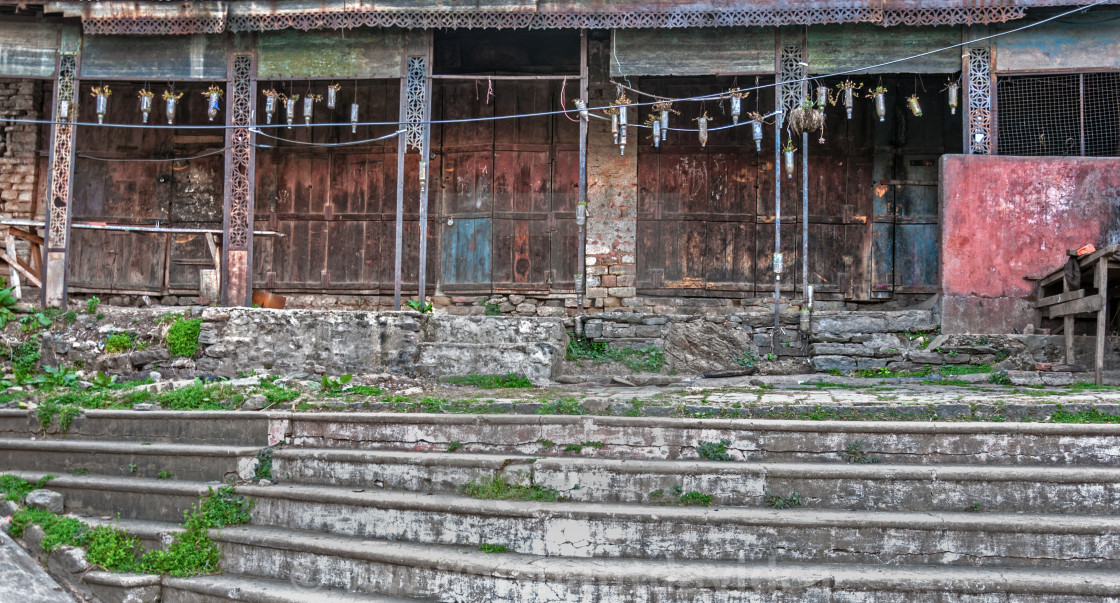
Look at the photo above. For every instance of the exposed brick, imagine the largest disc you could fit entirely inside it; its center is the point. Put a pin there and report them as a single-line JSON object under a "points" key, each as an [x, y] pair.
{"points": [[608, 280], [622, 291]]}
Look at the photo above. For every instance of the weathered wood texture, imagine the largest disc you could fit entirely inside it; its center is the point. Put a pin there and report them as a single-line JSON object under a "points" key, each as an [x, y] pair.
{"points": [[834, 48], [693, 51], [337, 205], [187, 193], [505, 191], [197, 57], [1090, 41], [360, 53], [27, 49]]}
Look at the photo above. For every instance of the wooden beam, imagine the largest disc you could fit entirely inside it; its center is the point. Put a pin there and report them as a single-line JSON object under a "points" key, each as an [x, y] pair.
{"points": [[23, 234], [1102, 317], [1060, 298], [1077, 306], [1088, 260]]}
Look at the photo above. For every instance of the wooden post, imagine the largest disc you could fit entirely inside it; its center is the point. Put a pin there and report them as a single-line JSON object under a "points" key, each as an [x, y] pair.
{"points": [[1102, 317], [237, 213], [13, 272], [1068, 322], [60, 190]]}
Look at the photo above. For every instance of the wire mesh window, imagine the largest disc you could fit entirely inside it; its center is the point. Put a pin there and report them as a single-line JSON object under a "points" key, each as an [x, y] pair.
{"points": [[1075, 114]]}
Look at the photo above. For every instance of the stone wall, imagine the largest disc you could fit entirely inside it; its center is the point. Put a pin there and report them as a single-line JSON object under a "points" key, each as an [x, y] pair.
{"points": [[19, 158]]}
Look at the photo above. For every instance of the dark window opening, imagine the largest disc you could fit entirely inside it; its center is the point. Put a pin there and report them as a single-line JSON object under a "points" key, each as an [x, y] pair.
{"points": [[1073, 115], [505, 52]]}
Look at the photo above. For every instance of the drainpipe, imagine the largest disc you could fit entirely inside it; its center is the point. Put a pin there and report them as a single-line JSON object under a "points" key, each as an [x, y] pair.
{"points": [[777, 220]]}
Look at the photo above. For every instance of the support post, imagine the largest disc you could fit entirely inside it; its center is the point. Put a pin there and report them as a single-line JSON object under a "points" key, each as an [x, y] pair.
{"points": [[788, 92], [1102, 318], [581, 200], [60, 190], [805, 215], [417, 134], [402, 149], [237, 210], [978, 102]]}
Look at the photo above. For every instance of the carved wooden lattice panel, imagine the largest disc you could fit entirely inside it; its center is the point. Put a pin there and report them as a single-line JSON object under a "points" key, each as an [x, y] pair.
{"points": [[979, 101], [416, 93], [62, 156], [792, 68], [239, 223]]}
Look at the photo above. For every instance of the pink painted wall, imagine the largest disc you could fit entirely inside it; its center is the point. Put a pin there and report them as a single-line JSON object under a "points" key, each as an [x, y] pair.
{"points": [[1006, 218]]}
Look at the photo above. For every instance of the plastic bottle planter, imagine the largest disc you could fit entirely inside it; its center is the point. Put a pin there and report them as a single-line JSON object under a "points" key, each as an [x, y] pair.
{"points": [[736, 108], [849, 101], [822, 97], [787, 152], [665, 125], [880, 97], [290, 109], [702, 125], [309, 106], [622, 119], [756, 133], [353, 118], [145, 97], [954, 98], [271, 101], [614, 127], [778, 263], [170, 104], [64, 110], [915, 106], [213, 101], [656, 133], [101, 94], [332, 95]]}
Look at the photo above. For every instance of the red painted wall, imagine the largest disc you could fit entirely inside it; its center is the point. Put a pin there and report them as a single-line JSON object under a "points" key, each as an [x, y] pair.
{"points": [[1006, 218]]}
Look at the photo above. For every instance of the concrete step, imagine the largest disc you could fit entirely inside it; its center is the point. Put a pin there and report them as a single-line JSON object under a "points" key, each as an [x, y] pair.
{"points": [[1022, 489], [573, 529], [247, 589], [899, 442], [179, 427], [130, 459], [466, 574]]}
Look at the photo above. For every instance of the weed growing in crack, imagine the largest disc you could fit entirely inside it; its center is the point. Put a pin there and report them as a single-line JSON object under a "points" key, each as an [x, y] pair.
{"points": [[486, 547], [854, 453], [782, 502], [498, 488], [714, 451]]}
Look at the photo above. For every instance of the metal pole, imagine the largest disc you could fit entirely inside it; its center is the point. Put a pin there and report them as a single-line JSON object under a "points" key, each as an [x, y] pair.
{"points": [[581, 198], [805, 213], [425, 145], [402, 147], [777, 215]]}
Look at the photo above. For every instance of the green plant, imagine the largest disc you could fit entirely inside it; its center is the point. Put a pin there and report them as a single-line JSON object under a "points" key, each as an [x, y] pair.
{"points": [[453, 446], [264, 464], [493, 308], [493, 548], [364, 390], [70, 317], [507, 381], [647, 359], [563, 406], [771, 357], [15, 488], [59, 376], [999, 378], [118, 342], [333, 387], [582, 348], [694, 498], [8, 305], [25, 359], [80, 471], [165, 474], [182, 336], [546, 443], [419, 306], [854, 453], [132, 467], [91, 305], [747, 358], [498, 488], [714, 451], [779, 502], [579, 447], [1092, 415], [975, 507], [965, 369], [196, 397], [34, 322]]}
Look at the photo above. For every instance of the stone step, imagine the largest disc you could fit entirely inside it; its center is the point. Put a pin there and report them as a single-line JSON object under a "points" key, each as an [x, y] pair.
{"points": [[464, 573], [179, 427], [899, 442], [130, 459], [247, 589], [882, 487], [573, 529]]}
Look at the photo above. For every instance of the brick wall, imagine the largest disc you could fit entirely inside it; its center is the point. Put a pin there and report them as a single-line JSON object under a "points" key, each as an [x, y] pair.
{"points": [[19, 160]]}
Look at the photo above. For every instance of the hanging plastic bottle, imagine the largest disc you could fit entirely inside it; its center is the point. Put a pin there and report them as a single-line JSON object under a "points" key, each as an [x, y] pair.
{"points": [[353, 118], [656, 133], [756, 133], [271, 100], [332, 95], [614, 126], [309, 107], [102, 95], [170, 104], [145, 96], [702, 125], [665, 124], [290, 109], [849, 101], [788, 152], [213, 101], [915, 106], [880, 96], [736, 108], [954, 97], [822, 97], [622, 120], [64, 109]]}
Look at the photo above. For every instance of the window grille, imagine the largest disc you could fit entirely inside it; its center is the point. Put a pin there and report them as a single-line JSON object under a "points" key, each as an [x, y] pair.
{"points": [[1075, 114]]}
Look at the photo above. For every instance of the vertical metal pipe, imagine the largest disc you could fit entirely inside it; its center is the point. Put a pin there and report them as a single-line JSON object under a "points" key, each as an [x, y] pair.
{"points": [[805, 214], [778, 118], [402, 145], [581, 198], [425, 153]]}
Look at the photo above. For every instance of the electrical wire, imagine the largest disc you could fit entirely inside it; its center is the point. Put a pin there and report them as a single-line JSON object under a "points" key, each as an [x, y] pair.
{"points": [[329, 144], [130, 160], [698, 98]]}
